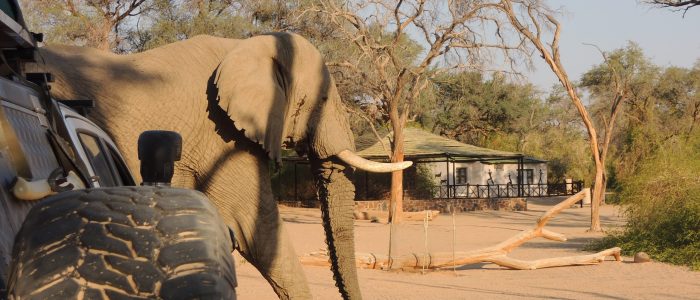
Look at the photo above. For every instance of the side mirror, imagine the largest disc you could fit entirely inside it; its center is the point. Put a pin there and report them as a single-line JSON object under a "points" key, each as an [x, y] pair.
{"points": [[158, 152]]}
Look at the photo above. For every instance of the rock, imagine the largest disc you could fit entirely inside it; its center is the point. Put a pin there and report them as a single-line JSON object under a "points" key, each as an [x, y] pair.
{"points": [[641, 257]]}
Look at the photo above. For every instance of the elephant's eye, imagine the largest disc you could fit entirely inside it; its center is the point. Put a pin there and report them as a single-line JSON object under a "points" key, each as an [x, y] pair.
{"points": [[324, 98]]}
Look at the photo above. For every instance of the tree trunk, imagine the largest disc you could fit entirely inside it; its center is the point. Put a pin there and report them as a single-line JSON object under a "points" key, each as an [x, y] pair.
{"points": [[101, 36], [396, 200], [597, 197], [604, 186]]}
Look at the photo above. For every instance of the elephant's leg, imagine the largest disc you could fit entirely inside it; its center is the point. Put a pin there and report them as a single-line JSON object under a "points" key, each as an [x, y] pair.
{"points": [[240, 187], [276, 260]]}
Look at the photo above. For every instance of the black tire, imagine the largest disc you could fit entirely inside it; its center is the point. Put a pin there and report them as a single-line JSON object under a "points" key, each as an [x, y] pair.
{"points": [[123, 243]]}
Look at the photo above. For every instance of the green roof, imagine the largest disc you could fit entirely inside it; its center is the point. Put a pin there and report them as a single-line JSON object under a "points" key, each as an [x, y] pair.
{"points": [[419, 143]]}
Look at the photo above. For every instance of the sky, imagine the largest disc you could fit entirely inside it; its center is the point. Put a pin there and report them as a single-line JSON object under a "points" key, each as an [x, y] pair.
{"points": [[666, 37]]}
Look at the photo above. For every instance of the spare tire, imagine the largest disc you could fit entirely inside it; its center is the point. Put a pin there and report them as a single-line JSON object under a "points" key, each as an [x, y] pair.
{"points": [[123, 243]]}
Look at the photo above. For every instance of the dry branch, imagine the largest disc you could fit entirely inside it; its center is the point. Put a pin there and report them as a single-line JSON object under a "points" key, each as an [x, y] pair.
{"points": [[682, 5], [392, 76], [497, 254]]}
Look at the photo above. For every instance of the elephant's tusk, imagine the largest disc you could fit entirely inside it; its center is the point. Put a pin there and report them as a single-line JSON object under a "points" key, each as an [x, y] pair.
{"points": [[356, 161]]}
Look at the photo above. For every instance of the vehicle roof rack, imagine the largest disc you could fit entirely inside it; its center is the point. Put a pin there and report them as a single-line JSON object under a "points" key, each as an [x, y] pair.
{"points": [[13, 33], [81, 106]]}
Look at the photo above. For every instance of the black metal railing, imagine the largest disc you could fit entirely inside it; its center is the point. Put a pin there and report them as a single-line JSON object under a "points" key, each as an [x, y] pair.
{"points": [[479, 191]]}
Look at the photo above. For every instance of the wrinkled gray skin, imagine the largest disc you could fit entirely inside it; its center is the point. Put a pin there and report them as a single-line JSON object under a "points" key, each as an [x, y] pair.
{"points": [[236, 103]]}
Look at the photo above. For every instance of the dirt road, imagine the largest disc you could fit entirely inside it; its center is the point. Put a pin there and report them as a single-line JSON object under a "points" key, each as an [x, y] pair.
{"points": [[609, 280]]}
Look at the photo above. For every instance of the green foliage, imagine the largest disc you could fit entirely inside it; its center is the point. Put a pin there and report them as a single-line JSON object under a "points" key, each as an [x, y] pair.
{"points": [[175, 20], [656, 153], [626, 70], [113, 25], [500, 114], [658, 104], [424, 185], [562, 140], [84, 23], [662, 206], [419, 180], [479, 111]]}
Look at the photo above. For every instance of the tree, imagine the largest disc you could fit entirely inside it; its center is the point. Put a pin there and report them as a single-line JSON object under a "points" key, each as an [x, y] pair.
{"points": [[136, 25], [501, 114], [678, 91], [458, 32], [626, 76], [669, 109], [485, 112], [172, 21], [622, 76], [99, 24], [569, 159], [531, 20]]}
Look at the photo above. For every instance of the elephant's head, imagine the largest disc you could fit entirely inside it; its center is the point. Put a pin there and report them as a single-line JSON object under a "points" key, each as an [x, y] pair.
{"points": [[277, 89]]}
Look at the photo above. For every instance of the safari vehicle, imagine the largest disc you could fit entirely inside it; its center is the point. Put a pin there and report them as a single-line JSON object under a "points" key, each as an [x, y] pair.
{"points": [[73, 225]]}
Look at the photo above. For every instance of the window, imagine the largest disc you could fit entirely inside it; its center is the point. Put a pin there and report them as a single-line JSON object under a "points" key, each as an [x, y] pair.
{"points": [[123, 174], [461, 175], [98, 159], [529, 176]]}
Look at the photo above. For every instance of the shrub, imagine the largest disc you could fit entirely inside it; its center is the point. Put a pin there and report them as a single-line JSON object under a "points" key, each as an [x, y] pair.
{"points": [[662, 206], [424, 185]]}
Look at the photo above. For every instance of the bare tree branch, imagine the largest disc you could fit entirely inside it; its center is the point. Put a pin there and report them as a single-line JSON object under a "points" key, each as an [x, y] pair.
{"points": [[683, 5], [395, 74]]}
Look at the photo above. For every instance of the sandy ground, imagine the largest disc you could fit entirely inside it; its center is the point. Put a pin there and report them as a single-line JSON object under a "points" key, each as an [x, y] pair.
{"points": [[609, 280]]}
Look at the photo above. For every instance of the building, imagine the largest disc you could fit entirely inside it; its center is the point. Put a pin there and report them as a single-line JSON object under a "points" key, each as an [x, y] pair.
{"points": [[443, 169], [466, 171]]}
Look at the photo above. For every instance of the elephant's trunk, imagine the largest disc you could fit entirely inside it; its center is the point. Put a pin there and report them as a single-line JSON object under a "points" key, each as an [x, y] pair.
{"points": [[337, 194]]}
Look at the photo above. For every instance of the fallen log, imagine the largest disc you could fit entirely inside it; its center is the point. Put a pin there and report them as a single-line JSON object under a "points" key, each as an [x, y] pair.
{"points": [[380, 215], [497, 254]]}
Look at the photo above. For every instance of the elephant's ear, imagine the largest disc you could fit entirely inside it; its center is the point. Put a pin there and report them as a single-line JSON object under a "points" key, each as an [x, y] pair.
{"points": [[251, 89]]}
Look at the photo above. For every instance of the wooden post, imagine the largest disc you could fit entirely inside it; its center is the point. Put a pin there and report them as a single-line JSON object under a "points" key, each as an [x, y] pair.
{"points": [[454, 181], [366, 185], [454, 237], [447, 176], [392, 237], [521, 176], [425, 230]]}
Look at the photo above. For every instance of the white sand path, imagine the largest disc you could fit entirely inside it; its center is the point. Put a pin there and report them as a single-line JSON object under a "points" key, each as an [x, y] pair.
{"points": [[609, 280]]}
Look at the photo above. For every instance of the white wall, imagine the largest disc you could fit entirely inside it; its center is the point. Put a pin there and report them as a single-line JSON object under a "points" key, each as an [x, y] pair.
{"points": [[500, 172], [477, 172], [474, 171]]}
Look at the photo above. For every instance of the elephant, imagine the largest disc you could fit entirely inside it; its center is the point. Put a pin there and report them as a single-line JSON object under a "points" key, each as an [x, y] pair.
{"points": [[236, 103]]}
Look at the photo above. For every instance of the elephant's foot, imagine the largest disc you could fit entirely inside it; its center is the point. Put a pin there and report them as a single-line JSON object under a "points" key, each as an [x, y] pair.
{"points": [[287, 279]]}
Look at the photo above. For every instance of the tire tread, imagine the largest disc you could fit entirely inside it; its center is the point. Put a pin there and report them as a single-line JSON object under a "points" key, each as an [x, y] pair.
{"points": [[123, 243]]}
